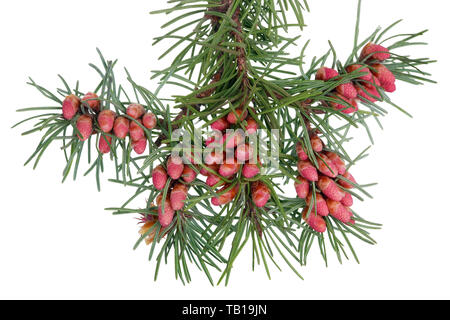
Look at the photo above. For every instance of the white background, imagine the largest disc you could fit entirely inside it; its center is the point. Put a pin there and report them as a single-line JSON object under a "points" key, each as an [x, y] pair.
{"points": [[56, 241]]}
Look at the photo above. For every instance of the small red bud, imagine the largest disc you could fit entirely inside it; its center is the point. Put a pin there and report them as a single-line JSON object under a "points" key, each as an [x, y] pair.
{"points": [[140, 145], [214, 180], [106, 120], [136, 131], [330, 189], [367, 75], [232, 140], [317, 223], [369, 94], [189, 174], [302, 187], [339, 211], [347, 90], [175, 167], [91, 99], [121, 127], [70, 107], [244, 152], [149, 120], [214, 158], [375, 52], [165, 218], [220, 125], [236, 116], [327, 167], [225, 197], [337, 161], [326, 74], [250, 170], [85, 127], [347, 200], [343, 107], [260, 194], [159, 176], [316, 143], [230, 168], [320, 204], [349, 177], [307, 170], [135, 111], [178, 196], [206, 173], [104, 144], [386, 77], [252, 126], [301, 153]]}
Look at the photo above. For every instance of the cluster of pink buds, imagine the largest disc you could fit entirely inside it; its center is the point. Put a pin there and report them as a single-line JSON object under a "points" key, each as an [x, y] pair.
{"points": [[332, 181], [108, 123], [375, 76]]}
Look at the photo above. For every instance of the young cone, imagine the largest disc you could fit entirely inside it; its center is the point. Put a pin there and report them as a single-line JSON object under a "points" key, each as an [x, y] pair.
{"points": [[252, 126], [347, 200], [367, 75], [70, 107], [104, 144], [320, 204], [121, 127], [339, 211], [317, 223], [316, 143], [326, 74], [106, 120], [214, 180], [165, 217], [91, 99], [327, 167], [178, 196], [140, 145], [159, 177], [346, 184], [337, 161], [135, 111], [307, 170], [330, 189], [301, 153], [347, 90], [189, 174], [149, 120], [236, 116], [375, 52], [302, 187], [250, 170], [260, 194], [385, 76], [85, 127], [220, 125], [136, 131], [227, 197], [175, 167]]}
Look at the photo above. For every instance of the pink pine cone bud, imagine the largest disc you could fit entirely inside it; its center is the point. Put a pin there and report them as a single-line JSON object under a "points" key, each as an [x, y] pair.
{"points": [[339, 211], [347, 200], [344, 108], [230, 168], [260, 194], [302, 187], [301, 153], [232, 140], [140, 145], [106, 120], [225, 197], [367, 75], [206, 173], [165, 218], [135, 111], [347, 175], [385, 76], [149, 120], [330, 189], [214, 180], [91, 99], [326, 74], [220, 125], [370, 94], [320, 204], [375, 51], [347, 90], [178, 196], [252, 126], [104, 144], [237, 115], [85, 127], [337, 161], [136, 131], [175, 167], [121, 127], [214, 158], [189, 174], [159, 176], [317, 223], [327, 167], [70, 107], [250, 170], [316, 143], [307, 170], [244, 152]]}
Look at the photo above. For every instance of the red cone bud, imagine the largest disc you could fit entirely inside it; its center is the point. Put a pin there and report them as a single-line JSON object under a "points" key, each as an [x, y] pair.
{"points": [[345, 108], [135, 111], [189, 174], [349, 177], [326, 74], [250, 170], [252, 126], [316, 143], [206, 173], [321, 204], [337, 161], [367, 75], [330, 189], [136, 131], [301, 153], [104, 144], [70, 107], [369, 94], [149, 120], [165, 218], [227, 197], [327, 167], [214, 158], [121, 127], [139, 146], [85, 127], [347, 200], [159, 176], [220, 125], [347, 90], [386, 77], [339, 211], [175, 167], [232, 140], [244, 152], [375, 51], [230, 168], [213, 180], [91, 99], [106, 120], [260, 194], [307, 170], [178, 196], [236, 116], [317, 223], [302, 187]]}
